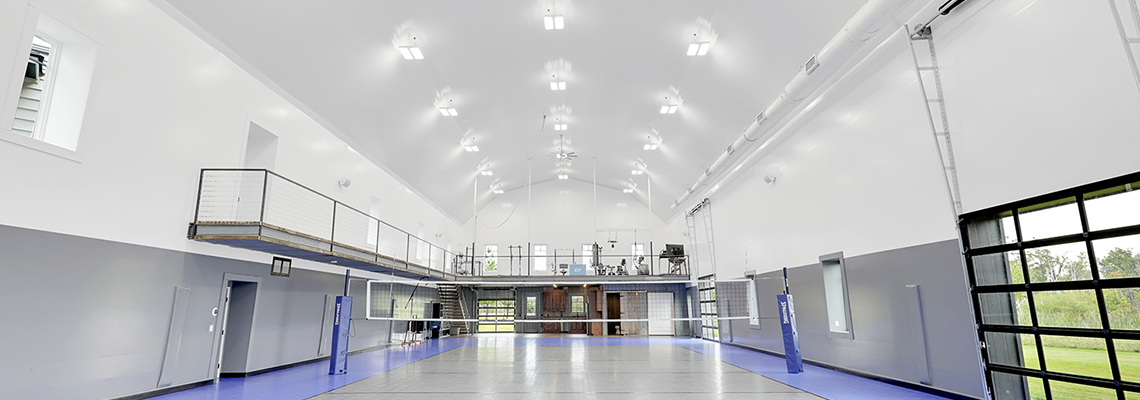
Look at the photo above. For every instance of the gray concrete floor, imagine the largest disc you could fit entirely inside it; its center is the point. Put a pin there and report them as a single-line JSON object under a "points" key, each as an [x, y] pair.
{"points": [[568, 372]]}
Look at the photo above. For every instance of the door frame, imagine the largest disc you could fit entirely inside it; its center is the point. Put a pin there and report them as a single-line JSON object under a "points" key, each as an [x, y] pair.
{"points": [[672, 313], [214, 369]]}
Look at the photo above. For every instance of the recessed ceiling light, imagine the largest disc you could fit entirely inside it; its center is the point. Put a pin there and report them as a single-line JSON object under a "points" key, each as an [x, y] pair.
{"points": [[627, 190], [411, 53], [486, 173], [553, 22], [560, 85], [650, 146], [563, 177], [704, 49], [664, 109], [498, 191], [698, 48], [637, 172], [471, 148], [560, 127], [448, 112], [672, 110]]}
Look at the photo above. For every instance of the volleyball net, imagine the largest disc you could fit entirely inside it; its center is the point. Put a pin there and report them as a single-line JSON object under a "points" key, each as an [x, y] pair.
{"points": [[630, 308]]}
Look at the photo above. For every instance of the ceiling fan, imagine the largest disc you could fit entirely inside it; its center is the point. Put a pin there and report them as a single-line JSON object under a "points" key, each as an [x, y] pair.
{"points": [[562, 154]]}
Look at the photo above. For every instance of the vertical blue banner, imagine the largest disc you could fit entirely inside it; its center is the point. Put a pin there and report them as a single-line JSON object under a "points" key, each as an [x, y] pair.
{"points": [[791, 336], [338, 362]]}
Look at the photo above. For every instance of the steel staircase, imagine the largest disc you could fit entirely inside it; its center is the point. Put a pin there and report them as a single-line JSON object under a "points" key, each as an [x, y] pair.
{"points": [[453, 308]]}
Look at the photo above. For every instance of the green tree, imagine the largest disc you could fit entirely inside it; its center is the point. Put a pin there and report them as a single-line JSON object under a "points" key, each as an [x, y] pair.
{"points": [[1045, 266], [1119, 263]]}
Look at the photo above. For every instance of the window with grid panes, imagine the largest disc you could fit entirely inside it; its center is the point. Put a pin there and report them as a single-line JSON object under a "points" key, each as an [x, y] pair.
{"points": [[496, 316], [1055, 284], [706, 290], [578, 305]]}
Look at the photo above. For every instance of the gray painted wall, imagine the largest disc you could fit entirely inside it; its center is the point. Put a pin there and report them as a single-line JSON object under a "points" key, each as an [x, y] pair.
{"points": [[886, 341], [88, 319]]}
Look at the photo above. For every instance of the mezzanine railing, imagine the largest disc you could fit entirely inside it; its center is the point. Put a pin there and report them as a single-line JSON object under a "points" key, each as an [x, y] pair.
{"points": [[240, 206]]}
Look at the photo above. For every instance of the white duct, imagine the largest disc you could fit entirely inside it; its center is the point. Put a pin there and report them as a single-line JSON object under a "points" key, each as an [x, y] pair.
{"points": [[867, 22]]}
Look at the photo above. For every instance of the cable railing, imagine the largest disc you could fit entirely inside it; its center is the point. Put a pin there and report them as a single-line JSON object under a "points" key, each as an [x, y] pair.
{"points": [[560, 263], [257, 204], [304, 217]]}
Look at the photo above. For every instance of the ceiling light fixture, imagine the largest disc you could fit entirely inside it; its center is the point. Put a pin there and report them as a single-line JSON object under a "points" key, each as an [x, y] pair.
{"points": [[563, 176], [654, 139], [560, 127], [637, 172], [559, 85], [698, 48], [448, 112], [552, 22], [486, 173], [411, 52], [627, 190], [703, 38], [468, 142], [498, 191], [671, 105]]}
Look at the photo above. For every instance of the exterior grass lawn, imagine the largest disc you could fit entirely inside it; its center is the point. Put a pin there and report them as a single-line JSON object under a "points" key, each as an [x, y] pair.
{"points": [[1086, 362]]}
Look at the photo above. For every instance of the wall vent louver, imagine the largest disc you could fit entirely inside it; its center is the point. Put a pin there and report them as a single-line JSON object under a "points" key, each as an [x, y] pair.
{"points": [[811, 65]]}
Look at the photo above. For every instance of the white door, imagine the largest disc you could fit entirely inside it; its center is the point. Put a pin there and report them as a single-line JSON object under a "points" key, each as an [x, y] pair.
{"points": [[660, 308]]}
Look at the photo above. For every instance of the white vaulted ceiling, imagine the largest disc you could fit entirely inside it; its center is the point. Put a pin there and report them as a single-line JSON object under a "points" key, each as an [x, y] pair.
{"points": [[337, 59]]}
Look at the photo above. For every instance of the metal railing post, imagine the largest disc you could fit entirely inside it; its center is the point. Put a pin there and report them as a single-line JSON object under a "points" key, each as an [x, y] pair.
{"points": [[264, 193], [198, 201], [332, 235]]}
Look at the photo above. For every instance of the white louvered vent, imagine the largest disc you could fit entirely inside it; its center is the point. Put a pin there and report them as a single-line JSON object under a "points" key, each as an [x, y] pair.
{"points": [[811, 65]]}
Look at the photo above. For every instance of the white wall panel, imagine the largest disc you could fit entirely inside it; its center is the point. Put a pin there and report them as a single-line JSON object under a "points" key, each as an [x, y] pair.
{"points": [[860, 174], [1040, 97]]}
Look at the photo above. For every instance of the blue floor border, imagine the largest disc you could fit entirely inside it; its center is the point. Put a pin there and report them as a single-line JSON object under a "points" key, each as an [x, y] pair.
{"points": [[309, 380], [313, 379]]}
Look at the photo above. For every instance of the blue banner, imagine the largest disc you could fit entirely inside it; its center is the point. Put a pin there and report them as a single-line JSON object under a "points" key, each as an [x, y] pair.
{"points": [[791, 336]]}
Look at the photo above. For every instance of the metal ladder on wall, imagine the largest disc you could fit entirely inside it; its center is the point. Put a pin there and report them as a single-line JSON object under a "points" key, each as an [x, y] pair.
{"points": [[452, 304], [1127, 15], [930, 80], [691, 221]]}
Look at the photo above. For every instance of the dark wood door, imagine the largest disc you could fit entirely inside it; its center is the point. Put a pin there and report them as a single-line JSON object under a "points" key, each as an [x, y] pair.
{"points": [[613, 311]]}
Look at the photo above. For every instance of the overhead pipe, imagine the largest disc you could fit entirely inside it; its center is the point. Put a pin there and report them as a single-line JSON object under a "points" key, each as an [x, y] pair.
{"points": [[868, 21]]}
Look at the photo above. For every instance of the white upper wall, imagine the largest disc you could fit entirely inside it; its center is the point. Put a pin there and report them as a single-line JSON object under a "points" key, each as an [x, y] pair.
{"points": [[1034, 107], [163, 105], [563, 217], [1037, 104], [859, 174]]}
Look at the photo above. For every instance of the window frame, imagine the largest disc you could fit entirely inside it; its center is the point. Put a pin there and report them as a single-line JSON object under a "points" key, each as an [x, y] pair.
{"points": [[845, 298], [527, 301], [540, 260], [489, 256], [972, 226], [60, 139], [581, 299]]}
